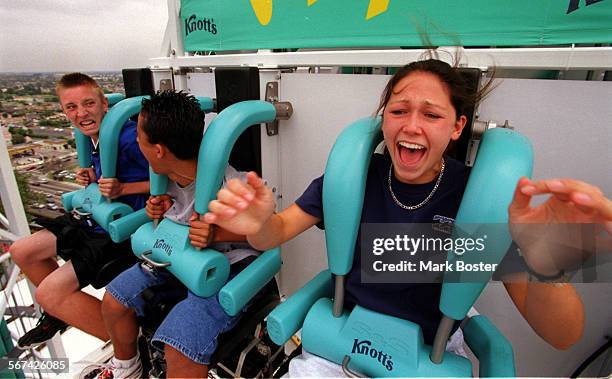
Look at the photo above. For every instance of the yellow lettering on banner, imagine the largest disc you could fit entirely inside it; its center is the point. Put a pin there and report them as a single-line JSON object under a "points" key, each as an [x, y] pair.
{"points": [[263, 10], [377, 7]]}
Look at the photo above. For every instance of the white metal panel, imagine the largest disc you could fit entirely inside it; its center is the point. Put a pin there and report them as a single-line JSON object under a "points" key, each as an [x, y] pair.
{"points": [[569, 124], [558, 58], [323, 104]]}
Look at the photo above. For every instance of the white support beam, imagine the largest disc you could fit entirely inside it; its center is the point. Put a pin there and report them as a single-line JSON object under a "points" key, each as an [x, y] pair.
{"points": [[561, 58], [9, 194], [172, 44]]}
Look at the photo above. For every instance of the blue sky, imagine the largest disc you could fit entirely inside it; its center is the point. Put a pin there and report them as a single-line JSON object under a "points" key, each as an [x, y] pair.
{"points": [[85, 35]]}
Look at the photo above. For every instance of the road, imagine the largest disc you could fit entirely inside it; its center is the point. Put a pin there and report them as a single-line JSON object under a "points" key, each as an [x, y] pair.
{"points": [[52, 190]]}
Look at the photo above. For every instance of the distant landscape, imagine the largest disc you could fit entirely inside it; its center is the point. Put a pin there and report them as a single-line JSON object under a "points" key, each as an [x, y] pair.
{"points": [[39, 138]]}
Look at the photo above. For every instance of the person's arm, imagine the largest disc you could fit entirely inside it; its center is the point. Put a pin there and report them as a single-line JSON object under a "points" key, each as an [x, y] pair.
{"points": [[248, 208], [553, 310], [113, 188], [282, 227]]}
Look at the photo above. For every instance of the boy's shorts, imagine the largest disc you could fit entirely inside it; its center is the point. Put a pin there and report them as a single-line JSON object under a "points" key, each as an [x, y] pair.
{"points": [[192, 326], [95, 257]]}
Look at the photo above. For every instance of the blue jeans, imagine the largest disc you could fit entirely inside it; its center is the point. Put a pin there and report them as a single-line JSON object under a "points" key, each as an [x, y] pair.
{"points": [[191, 327]]}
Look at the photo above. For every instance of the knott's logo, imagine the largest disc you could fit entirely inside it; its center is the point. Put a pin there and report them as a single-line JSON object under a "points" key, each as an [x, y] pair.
{"points": [[161, 244], [364, 347], [193, 24]]}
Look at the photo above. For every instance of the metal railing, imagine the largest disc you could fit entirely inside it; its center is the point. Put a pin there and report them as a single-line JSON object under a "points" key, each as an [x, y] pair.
{"points": [[15, 306]]}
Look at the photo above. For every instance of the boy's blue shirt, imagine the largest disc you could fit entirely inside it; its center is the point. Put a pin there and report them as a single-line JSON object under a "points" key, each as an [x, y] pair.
{"points": [[132, 166]]}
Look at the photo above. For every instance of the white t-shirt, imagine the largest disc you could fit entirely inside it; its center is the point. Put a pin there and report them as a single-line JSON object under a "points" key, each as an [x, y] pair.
{"points": [[182, 209]]}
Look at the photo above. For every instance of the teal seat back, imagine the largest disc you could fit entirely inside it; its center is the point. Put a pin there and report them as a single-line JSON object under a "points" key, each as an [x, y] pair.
{"points": [[344, 188], [218, 142], [504, 156], [110, 131]]}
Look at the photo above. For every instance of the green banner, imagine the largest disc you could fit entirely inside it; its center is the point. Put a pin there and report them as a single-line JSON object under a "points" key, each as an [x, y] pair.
{"points": [[215, 25]]}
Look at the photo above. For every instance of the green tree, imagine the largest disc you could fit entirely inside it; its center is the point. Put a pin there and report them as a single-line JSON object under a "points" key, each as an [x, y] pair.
{"points": [[51, 98], [17, 138]]}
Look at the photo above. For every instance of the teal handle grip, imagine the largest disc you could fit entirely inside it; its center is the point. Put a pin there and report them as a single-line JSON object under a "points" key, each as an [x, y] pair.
{"points": [[289, 316], [121, 229], [218, 142], [67, 200], [204, 272], [493, 350], [504, 156], [111, 128], [84, 148], [344, 188], [240, 290], [114, 98], [159, 183], [104, 212]]}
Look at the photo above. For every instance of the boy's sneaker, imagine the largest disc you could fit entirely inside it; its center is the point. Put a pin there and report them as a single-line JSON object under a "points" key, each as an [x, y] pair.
{"points": [[45, 329], [111, 370]]}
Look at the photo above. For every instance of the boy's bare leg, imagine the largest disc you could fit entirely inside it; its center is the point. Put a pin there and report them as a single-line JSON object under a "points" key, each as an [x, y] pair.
{"points": [[35, 255], [122, 326], [179, 366], [59, 294]]}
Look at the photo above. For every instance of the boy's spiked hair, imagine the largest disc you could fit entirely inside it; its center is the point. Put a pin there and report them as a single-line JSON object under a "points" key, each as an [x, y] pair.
{"points": [[175, 120]]}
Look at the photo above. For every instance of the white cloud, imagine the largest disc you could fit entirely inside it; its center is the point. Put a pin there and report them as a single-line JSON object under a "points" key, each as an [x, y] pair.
{"points": [[87, 35]]}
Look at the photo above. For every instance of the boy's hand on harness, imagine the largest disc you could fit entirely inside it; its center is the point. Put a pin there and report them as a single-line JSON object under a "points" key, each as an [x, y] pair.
{"points": [[571, 202], [111, 188], [85, 176], [201, 234], [242, 208], [157, 206]]}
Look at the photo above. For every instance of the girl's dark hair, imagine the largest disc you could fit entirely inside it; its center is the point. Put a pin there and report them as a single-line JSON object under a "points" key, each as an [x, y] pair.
{"points": [[175, 120], [463, 95]]}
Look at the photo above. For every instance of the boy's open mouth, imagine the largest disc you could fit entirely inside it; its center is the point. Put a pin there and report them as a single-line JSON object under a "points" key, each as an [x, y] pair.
{"points": [[87, 124]]}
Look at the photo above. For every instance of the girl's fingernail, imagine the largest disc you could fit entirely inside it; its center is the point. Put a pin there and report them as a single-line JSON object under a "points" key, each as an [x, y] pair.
{"points": [[555, 185], [528, 190], [583, 197]]}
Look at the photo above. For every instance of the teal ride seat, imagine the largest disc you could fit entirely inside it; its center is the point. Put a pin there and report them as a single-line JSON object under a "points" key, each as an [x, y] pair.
{"points": [[167, 245], [380, 345], [89, 201]]}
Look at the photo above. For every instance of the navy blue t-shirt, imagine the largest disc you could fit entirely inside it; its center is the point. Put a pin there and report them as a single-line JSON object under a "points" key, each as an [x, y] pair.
{"points": [[416, 302], [132, 166]]}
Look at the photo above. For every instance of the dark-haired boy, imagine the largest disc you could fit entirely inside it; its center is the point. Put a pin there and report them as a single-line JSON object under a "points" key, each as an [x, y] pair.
{"points": [[170, 128], [85, 246]]}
